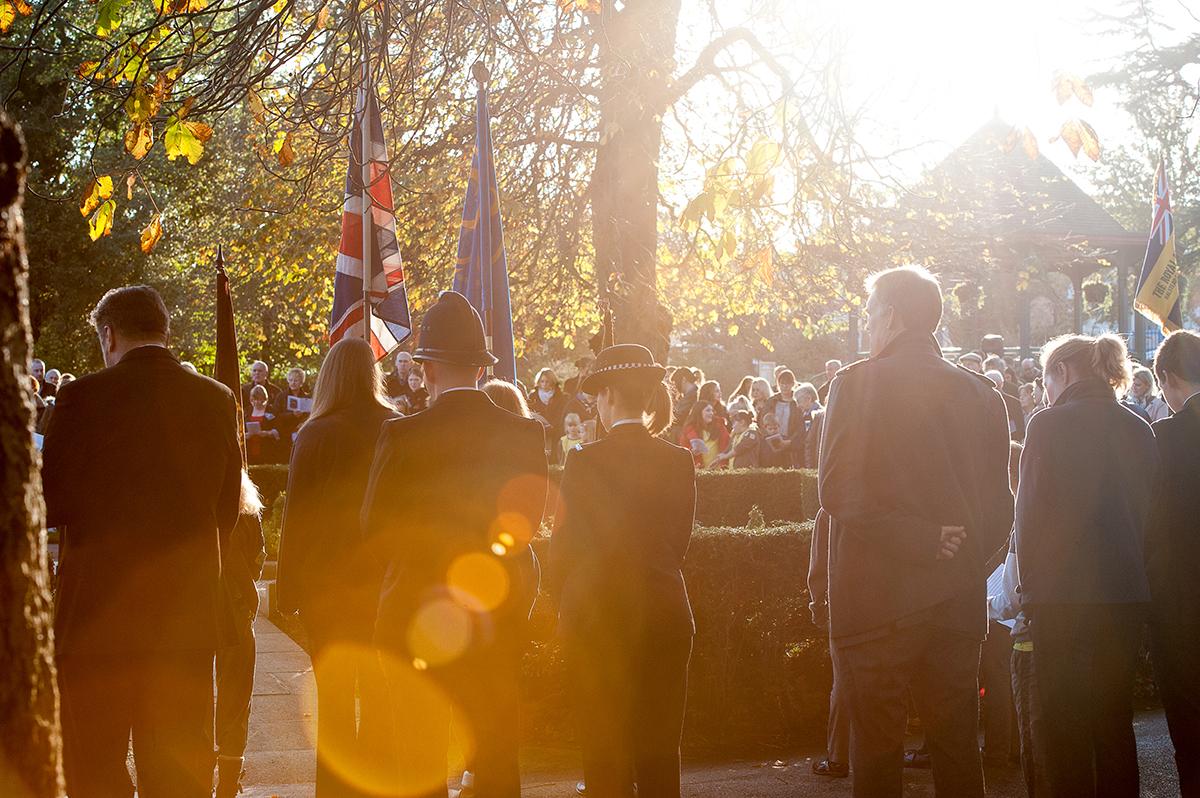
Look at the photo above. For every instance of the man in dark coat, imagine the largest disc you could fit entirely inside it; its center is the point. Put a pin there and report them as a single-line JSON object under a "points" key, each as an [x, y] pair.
{"points": [[260, 374], [1173, 553], [455, 495], [914, 475], [141, 471]]}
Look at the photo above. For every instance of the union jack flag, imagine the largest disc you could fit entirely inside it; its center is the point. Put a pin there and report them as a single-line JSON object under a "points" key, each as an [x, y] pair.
{"points": [[1157, 297], [391, 323]]}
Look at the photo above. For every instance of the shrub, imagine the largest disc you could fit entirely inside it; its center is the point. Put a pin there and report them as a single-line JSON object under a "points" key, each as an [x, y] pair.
{"points": [[760, 672], [271, 481]]}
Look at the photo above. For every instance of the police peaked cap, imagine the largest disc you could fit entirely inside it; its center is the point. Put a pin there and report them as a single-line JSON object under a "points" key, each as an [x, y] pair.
{"points": [[619, 361], [452, 333]]}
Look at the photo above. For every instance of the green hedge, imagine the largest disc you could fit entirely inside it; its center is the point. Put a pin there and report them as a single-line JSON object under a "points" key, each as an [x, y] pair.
{"points": [[760, 671], [723, 498]]}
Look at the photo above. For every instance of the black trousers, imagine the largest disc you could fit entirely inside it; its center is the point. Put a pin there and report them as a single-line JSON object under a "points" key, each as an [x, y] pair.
{"points": [[1029, 725], [999, 730], [481, 693], [353, 723], [940, 669], [1085, 657], [1175, 647], [164, 699], [630, 697], [235, 688]]}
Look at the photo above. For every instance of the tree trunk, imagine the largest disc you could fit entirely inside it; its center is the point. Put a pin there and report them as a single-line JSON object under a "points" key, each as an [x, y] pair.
{"points": [[30, 743], [637, 62]]}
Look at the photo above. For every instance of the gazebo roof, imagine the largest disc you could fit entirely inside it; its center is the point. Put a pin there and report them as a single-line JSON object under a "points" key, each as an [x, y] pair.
{"points": [[1019, 196]]}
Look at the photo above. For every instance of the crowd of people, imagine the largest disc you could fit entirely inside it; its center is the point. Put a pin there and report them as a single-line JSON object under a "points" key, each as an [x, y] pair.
{"points": [[1045, 506]]}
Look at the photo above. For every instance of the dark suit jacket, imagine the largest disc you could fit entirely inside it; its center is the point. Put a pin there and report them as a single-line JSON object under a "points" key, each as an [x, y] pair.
{"points": [[1173, 537], [911, 444], [1087, 479], [141, 466], [1016, 416], [447, 482], [622, 528], [321, 547]]}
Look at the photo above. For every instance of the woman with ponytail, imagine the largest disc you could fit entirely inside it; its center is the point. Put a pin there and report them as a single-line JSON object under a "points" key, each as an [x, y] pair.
{"points": [[1086, 485], [621, 531]]}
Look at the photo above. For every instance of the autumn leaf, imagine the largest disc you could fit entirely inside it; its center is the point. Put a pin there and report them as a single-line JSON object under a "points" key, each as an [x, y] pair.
{"points": [[8, 14], [1072, 136], [283, 149], [97, 190], [87, 69], [152, 233], [186, 138], [1029, 142], [101, 222], [762, 157], [1010, 141], [1091, 142], [323, 17], [139, 139], [23, 8], [1062, 86], [129, 183], [583, 6], [108, 16], [141, 105], [257, 109]]}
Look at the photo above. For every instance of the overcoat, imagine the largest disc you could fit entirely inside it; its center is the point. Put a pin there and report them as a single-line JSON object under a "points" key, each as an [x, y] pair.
{"points": [[142, 470]]}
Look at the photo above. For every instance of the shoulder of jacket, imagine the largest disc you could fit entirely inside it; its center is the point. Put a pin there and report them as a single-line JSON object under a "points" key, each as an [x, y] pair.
{"points": [[850, 368], [978, 377]]}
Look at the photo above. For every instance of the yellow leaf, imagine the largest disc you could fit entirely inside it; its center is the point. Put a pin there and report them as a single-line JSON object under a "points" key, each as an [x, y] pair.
{"points": [[23, 8], [129, 183], [733, 330], [280, 5], [1072, 136], [257, 109], [1062, 86], [87, 69], [186, 139], [139, 139], [152, 233], [141, 105], [97, 190], [323, 17], [1029, 142], [283, 148], [762, 157], [1091, 142], [8, 13], [101, 222]]}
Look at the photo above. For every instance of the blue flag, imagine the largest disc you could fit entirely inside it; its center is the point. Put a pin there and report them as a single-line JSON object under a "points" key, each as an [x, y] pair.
{"points": [[481, 274]]}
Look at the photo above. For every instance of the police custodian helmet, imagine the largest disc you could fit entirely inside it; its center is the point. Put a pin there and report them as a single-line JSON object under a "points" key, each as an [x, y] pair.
{"points": [[452, 333]]}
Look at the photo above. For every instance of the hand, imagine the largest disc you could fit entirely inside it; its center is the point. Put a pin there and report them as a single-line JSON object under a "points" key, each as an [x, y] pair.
{"points": [[952, 539]]}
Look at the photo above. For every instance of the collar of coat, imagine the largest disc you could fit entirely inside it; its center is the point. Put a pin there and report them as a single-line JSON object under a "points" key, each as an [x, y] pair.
{"points": [[1087, 388], [150, 351], [911, 341]]}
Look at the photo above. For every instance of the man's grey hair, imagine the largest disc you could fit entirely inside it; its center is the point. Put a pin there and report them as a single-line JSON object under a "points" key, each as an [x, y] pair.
{"points": [[994, 376], [913, 292], [260, 363], [810, 389]]}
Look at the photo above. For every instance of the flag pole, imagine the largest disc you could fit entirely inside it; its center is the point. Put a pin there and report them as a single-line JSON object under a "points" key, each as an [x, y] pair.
{"points": [[480, 72], [367, 208]]}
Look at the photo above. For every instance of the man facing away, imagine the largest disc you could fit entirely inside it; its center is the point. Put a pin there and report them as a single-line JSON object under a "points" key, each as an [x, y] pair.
{"points": [[456, 493], [914, 475], [141, 470]]}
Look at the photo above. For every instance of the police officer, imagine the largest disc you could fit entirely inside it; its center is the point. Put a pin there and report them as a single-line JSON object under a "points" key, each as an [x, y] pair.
{"points": [[622, 528], [455, 494], [914, 477]]}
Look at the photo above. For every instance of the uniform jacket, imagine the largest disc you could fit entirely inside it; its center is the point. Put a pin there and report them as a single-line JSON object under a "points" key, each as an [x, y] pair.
{"points": [[321, 548], [1173, 538], [141, 467], [447, 482], [1087, 479], [621, 532], [911, 444]]}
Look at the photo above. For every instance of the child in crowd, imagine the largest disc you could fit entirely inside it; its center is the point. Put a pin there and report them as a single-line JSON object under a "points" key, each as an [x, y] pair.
{"points": [[772, 447], [576, 433], [744, 445], [261, 434]]}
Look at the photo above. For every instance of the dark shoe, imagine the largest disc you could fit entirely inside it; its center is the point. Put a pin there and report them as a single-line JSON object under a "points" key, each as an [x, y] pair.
{"points": [[834, 770], [914, 758]]}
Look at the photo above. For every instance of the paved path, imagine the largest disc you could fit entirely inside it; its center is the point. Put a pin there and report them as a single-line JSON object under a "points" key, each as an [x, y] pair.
{"points": [[280, 758]]}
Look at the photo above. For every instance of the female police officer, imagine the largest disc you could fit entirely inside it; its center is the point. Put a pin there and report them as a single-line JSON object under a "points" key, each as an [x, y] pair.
{"points": [[621, 532]]}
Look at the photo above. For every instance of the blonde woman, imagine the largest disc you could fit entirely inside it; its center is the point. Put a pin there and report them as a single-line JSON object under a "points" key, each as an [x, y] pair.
{"points": [[325, 569], [1088, 474]]}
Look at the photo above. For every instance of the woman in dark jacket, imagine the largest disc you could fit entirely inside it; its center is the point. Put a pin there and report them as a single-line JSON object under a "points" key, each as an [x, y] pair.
{"points": [[547, 401], [1086, 484], [327, 572], [622, 529]]}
